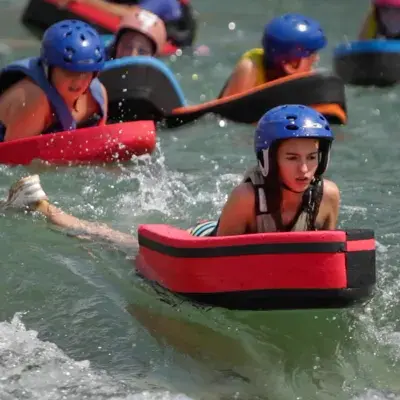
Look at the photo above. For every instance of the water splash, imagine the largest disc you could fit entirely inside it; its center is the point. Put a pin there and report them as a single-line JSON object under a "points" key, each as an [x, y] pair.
{"points": [[33, 369]]}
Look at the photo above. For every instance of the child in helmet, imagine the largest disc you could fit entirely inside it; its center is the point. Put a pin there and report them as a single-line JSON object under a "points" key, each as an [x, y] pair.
{"points": [[290, 45], [382, 21], [176, 14], [284, 192], [57, 91], [140, 33]]}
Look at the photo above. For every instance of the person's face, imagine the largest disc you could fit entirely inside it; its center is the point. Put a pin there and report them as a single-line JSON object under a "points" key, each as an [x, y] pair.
{"points": [[305, 64], [70, 84], [297, 162], [134, 44]]}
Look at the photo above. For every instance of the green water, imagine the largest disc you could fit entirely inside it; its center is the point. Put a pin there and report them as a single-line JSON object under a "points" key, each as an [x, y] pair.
{"points": [[86, 304]]}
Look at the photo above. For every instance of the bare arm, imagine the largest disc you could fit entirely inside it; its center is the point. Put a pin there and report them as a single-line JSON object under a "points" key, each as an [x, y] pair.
{"points": [[243, 78], [25, 110], [84, 229], [120, 10], [238, 212]]}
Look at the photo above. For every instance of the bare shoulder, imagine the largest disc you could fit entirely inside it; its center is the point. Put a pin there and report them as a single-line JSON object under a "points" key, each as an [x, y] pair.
{"points": [[244, 193], [23, 98], [244, 67], [29, 89], [331, 192], [238, 211], [25, 94], [241, 199]]}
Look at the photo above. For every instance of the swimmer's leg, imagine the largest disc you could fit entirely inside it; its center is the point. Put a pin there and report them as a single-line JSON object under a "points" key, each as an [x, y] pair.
{"points": [[27, 193]]}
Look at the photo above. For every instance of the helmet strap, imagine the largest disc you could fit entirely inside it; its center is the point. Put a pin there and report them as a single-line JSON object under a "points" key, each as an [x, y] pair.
{"points": [[263, 161], [48, 71]]}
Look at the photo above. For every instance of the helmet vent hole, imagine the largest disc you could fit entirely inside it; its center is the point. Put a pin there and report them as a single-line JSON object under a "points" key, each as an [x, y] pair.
{"points": [[69, 33], [292, 127], [291, 117], [327, 128], [83, 37], [68, 53], [98, 54], [323, 118], [64, 26]]}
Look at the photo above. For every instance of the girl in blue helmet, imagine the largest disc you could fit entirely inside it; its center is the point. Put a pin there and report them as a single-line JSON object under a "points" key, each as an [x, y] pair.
{"points": [[57, 91], [290, 44], [284, 192]]}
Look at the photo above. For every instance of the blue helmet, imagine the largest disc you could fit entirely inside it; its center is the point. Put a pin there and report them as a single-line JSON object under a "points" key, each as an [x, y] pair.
{"points": [[74, 46], [288, 122], [292, 36]]}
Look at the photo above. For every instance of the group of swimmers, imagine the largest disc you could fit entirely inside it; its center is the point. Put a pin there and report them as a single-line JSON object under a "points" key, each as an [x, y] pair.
{"points": [[284, 191]]}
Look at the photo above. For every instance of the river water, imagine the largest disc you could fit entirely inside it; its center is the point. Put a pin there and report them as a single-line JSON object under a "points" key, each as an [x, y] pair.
{"points": [[77, 323]]}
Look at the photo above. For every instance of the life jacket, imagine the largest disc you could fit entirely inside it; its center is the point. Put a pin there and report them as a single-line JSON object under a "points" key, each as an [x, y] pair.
{"points": [[305, 219], [256, 56], [306, 216], [372, 24], [33, 69]]}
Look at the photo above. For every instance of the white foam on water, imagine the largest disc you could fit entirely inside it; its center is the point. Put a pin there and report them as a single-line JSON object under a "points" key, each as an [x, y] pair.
{"points": [[34, 369], [376, 395]]}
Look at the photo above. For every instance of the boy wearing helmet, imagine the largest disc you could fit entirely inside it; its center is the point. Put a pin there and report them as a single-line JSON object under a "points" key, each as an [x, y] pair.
{"points": [[176, 14], [382, 21], [284, 192], [140, 33], [290, 45], [57, 91]]}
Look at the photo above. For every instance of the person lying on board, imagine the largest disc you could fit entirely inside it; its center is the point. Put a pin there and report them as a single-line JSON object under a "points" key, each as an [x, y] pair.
{"points": [[290, 45], [140, 33], [382, 21], [284, 192], [177, 15], [57, 91]]}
